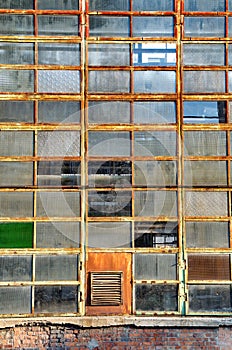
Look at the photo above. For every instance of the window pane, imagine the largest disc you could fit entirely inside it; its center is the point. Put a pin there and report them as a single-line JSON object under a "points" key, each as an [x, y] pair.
{"points": [[207, 234], [204, 5], [109, 235], [154, 112], [16, 235], [56, 268], [205, 173], [57, 234], [15, 268], [109, 54], [57, 4], [109, 112], [205, 143], [59, 54], [153, 26], [16, 111], [230, 81], [102, 5], [204, 81], [58, 204], [16, 204], [154, 54], [153, 5], [16, 81], [155, 266], [109, 81], [59, 81], [16, 24], [16, 143], [19, 4], [155, 203], [156, 297], [155, 173], [14, 174], [109, 144], [59, 112], [15, 300], [58, 143], [204, 112], [16, 53], [155, 82], [155, 143], [108, 26], [204, 54], [208, 267], [58, 25], [213, 27], [206, 204], [230, 23]]}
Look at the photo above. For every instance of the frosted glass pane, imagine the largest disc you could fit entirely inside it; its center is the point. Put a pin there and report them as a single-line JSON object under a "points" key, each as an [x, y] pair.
{"points": [[58, 204], [16, 174], [58, 25], [205, 173], [15, 300], [109, 81], [204, 5], [155, 203], [109, 235], [16, 24], [109, 144], [155, 266], [153, 5], [109, 26], [16, 204], [205, 143], [59, 54], [56, 268], [204, 81], [59, 112], [57, 4], [155, 173], [16, 143], [58, 143], [155, 143], [213, 27], [204, 54], [102, 5], [155, 82], [16, 111], [206, 204], [18, 4], [109, 54], [207, 234], [15, 268], [58, 81], [154, 112], [16, 81], [153, 26], [109, 112], [16, 53]]}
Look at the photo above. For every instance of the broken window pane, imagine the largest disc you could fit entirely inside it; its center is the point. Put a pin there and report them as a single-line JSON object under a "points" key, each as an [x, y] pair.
{"points": [[15, 300], [204, 5], [13, 174], [59, 54], [155, 143], [16, 53], [109, 235], [108, 112], [207, 234], [158, 26], [204, 81], [16, 24], [206, 204], [56, 267], [109, 26], [205, 143], [154, 112], [155, 173], [204, 54], [15, 268], [109, 144], [58, 25], [109, 54], [155, 82], [205, 173], [16, 81], [58, 143], [58, 204], [16, 111], [213, 27], [57, 4], [154, 54], [109, 81], [16, 234], [155, 266], [67, 112], [208, 267], [16, 204], [153, 5], [204, 112]]}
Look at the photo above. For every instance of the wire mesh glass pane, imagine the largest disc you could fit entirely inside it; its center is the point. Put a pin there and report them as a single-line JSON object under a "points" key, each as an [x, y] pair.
{"points": [[58, 143], [16, 24], [15, 268], [106, 5], [109, 55], [16, 81], [155, 82], [56, 267], [15, 300], [155, 266], [58, 173], [109, 235], [56, 299], [19, 4], [109, 112], [204, 5], [16, 204], [16, 235], [16, 111], [153, 26], [16, 143], [109, 144], [57, 4], [206, 204], [109, 81], [58, 204], [155, 203], [154, 54], [210, 298], [154, 112], [155, 143], [204, 81], [14, 174], [16, 53], [205, 143], [204, 54], [207, 234], [59, 112], [59, 54], [59, 81], [208, 267], [160, 297], [57, 234], [155, 173], [212, 27], [204, 112], [205, 173], [58, 25], [153, 5], [109, 26]]}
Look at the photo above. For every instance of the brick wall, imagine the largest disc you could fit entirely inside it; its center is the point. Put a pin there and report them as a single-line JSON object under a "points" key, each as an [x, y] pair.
{"points": [[58, 337]]}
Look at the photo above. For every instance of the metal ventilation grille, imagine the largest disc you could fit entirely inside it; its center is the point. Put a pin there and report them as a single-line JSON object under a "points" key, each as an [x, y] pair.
{"points": [[106, 288]]}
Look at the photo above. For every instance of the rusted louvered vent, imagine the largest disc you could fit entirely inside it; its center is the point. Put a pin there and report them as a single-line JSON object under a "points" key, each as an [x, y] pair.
{"points": [[106, 288]]}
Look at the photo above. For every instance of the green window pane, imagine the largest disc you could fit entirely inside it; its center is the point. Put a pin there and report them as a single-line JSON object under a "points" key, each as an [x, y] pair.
{"points": [[16, 235]]}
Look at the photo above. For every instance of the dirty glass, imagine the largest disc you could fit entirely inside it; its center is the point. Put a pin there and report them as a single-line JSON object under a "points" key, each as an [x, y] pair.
{"points": [[208, 267], [16, 143], [56, 267], [109, 235], [16, 24], [109, 144], [57, 4], [15, 268], [16, 111], [206, 204], [204, 54], [108, 5], [109, 26], [58, 143], [154, 54], [16, 234], [207, 234], [205, 143], [16, 204], [14, 174], [17, 4], [212, 27], [56, 299], [205, 173], [16, 80], [58, 25], [158, 26], [108, 112], [230, 24], [155, 82], [58, 204], [16, 53], [57, 234], [204, 112], [204, 5], [59, 54], [155, 173], [160, 297], [109, 54], [204, 81], [155, 234], [149, 112], [230, 81], [109, 81], [153, 5], [15, 300], [155, 143], [59, 81], [155, 266], [65, 112]]}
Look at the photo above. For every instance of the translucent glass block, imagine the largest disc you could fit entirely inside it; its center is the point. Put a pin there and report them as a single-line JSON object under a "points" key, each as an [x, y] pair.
{"points": [[108, 112], [204, 112], [155, 82], [16, 143], [204, 5], [59, 112], [153, 5], [155, 203], [109, 81], [205, 143], [155, 173], [16, 81], [102, 5], [201, 204], [58, 143], [109, 144], [160, 297], [58, 204], [57, 4], [59, 54], [57, 234], [48, 268], [56, 299], [109, 26], [16, 235], [205, 173], [207, 234], [16, 204], [16, 53], [19, 4], [109, 235], [15, 268], [155, 266], [154, 54], [14, 174], [212, 27], [58, 25], [15, 300], [154, 112], [109, 54], [158, 26], [204, 81], [16, 111], [155, 143], [16, 24], [204, 54], [210, 298], [59, 81], [208, 267]]}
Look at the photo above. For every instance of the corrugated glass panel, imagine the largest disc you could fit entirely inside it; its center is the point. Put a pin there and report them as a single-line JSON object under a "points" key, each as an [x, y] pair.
{"points": [[59, 81], [16, 24], [15, 300], [65, 112], [206, 204], [58, 25], [205, 143], [204, 54], [15, 268], [56, 268], [102, 5], [204, 81], [155, 173], [109, 54], [58, 143], [16, 174], [57, 4], [204, 112], [207, 234], [155, 266], [154, 112], [109, 235], [212, 27], [16, 81], [153, 26], [58, 204], [208, 267], [16, 204], [154, 143], [16, 235], [16, 143], [109, 81], [109, 112], [59, 54], [58, 173], [155, 82], [16, 53], [153, 5], [109, 144], [18, 4], [204, 5], [205, 173], [16, 111], [109, 26]]}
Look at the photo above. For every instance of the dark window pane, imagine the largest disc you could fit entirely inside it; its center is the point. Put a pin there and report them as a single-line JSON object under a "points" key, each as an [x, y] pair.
{"points": [[109, 54], [153, 5], [207, 234], [109, 235], [109, 26], [204, 5], [155, 82], [155, 203], [16, 24], [109, 144], [107, 5], [206, 204], [59, 112], [14, 174], [58, 143], [15, 268], [109, 112], [58, 204], [59, 54], [204, 54], [154, 54], [205, 143], [16, 53], [57, 4], [17, 4], [205, 173], [15, 300], [16, 111], [153, 26], [58, 25], [213, 27], [204, 81], [16, 81], [154, 112], [16, 143], [16, 235], [16, 204], [56, 268], [204, 112], [155, 173], [155, 266], [109, 81], [208, 267], [155, 143]]}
